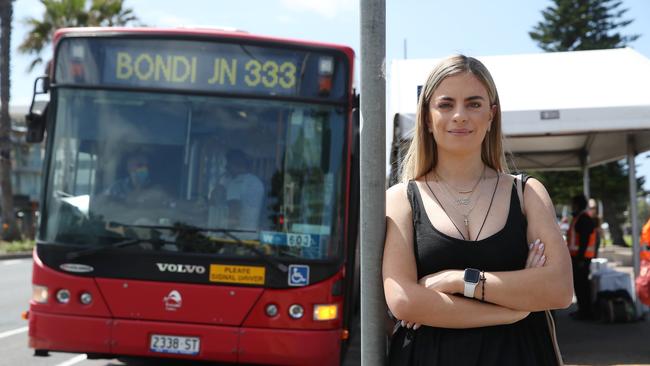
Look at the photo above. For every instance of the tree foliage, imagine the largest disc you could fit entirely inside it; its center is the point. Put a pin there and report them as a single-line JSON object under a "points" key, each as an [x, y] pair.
{"points": [[72, 13], [9, 229], [571, 25], [608, 183]]}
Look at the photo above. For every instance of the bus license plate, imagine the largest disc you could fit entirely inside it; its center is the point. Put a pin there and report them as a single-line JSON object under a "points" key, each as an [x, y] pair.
{"points": [[175, 344]]}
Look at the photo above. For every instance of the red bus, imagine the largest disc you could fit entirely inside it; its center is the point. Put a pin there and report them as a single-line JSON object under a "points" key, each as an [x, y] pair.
{"points": [[200, 197]]}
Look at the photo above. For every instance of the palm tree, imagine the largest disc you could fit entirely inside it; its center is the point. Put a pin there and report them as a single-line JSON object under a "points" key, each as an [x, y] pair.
{"points": [[11, 231], [72, 13]]}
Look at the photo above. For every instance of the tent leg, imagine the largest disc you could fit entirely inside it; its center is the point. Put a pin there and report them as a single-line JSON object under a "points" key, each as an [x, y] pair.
{"points": [[636, 246], [585, 182], [585, 175], [631, 154]]}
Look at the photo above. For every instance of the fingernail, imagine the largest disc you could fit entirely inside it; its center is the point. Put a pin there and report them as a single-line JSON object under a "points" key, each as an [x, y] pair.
{"points": [[530, 246], [403, 323], [537, 241], [543, 258], [541, 246], [416, 326]]}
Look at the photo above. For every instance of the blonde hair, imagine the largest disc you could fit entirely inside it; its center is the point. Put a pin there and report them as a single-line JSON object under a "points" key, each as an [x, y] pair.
{"points": [[422, 155]]}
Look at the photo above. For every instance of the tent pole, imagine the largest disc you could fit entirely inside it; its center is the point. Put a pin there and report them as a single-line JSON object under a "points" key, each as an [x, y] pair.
{"points": [[636, 245], [584, 160], [631, 153], [585, 182]]}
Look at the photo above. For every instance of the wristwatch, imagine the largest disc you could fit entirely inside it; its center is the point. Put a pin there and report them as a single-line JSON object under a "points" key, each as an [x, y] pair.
{"points": [[471, 278]]}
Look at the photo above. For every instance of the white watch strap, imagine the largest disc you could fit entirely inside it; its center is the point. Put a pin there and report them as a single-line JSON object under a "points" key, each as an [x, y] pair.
{"points": [[469, 289]]}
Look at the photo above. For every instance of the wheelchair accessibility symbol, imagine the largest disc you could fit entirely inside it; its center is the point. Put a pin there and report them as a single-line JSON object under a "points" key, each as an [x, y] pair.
{"points": [[298, 275]]}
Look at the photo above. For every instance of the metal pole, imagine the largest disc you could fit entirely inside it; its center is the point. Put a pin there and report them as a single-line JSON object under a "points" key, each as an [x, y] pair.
{"points": [[585, 175], [585, 182], [631, 153], [373, 178]]}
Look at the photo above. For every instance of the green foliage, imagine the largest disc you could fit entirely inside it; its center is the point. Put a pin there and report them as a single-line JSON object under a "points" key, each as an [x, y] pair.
{"points": [[6, 19], [571, 25], [643, 206], [608, 183], [17, 246], [72, 13]]}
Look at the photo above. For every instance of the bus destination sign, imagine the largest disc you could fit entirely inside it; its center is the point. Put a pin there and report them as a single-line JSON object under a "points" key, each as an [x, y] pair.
{"points": [[161, 68], [200, 66]]}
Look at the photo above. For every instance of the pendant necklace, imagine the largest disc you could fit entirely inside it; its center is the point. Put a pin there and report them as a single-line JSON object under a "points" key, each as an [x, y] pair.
{"points": [[461, 201], [466, 221], [465, 214]]}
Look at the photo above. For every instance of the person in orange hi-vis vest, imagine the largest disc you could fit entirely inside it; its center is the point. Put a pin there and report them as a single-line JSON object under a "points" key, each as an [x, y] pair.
{"points": [[645, 234], [581, 239]]}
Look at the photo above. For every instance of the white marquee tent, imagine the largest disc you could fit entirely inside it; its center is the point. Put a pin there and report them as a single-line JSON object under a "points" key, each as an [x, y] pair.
{"points": [[562, 110]]}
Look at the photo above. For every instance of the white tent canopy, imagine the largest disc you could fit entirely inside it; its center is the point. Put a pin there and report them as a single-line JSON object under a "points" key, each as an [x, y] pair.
{"points": [[562, 110]]}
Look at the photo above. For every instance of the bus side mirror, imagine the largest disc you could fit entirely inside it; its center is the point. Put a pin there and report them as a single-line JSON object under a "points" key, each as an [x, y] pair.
{"points": [[37, 115]]}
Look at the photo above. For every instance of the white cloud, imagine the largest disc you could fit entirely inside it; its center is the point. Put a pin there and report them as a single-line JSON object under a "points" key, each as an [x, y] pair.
{"points": [[326, 8]]}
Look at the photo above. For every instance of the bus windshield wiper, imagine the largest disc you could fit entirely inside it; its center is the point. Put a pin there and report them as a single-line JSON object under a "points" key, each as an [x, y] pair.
{"points": [[230, 233], [120, 244], [237, 241]]}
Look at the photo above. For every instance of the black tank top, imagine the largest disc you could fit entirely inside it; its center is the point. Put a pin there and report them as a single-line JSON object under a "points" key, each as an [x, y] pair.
{"points": [[527, 342], [506, 250]]}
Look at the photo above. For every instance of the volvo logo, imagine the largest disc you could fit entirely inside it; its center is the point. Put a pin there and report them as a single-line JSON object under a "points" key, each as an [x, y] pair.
{"points": [[173, 301], [180, 268], [76, 268]]}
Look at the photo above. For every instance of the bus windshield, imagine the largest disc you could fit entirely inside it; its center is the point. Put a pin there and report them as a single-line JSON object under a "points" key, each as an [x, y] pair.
{"points": [[128, 164]]}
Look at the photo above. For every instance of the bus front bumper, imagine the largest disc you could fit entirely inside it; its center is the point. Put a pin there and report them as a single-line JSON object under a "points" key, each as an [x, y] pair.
{"points": [[117, 337]]}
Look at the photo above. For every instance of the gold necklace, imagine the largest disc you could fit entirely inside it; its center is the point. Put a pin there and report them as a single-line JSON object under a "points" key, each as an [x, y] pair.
{"points": [[460, 191], [487, 213], [460, 203]]}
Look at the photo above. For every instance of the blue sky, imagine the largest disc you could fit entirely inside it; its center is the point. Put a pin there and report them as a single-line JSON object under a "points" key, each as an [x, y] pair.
{"points": [[431, 28]]}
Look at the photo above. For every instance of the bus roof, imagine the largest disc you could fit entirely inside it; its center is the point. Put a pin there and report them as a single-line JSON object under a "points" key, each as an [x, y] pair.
{"points": [[194, 32]]}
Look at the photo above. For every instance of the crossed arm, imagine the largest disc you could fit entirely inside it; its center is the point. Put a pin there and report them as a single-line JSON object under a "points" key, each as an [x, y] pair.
{"points": [[510, 296]]}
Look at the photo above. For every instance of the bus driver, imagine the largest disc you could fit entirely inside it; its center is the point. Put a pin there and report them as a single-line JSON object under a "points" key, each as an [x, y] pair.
{"points": [[137, 186]]}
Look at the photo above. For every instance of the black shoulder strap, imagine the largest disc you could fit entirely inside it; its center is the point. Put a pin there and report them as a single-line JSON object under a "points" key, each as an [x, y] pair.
{"points": [[411, 192], [520, 182]]}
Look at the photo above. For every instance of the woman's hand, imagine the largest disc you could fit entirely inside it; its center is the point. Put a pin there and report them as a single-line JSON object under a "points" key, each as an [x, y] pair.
{"points": [[536, 257], [448, 281]]}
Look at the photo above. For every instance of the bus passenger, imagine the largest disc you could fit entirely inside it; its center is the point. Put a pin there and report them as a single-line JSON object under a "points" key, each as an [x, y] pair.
{"points": [[457, 258], [242, 192]]}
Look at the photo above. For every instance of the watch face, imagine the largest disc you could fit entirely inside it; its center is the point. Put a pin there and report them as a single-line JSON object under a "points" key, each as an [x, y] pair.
{"points": [[472, 275]]}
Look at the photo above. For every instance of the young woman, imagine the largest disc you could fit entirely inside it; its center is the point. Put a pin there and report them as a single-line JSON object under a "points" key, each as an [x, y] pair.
{"points": [[456, 258]]}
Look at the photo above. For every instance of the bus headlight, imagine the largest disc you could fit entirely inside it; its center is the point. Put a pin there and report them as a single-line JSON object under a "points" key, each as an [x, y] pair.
{"points": [[39, 294], [296, 311], [63, 296], [325, 311], [86, 298]]}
